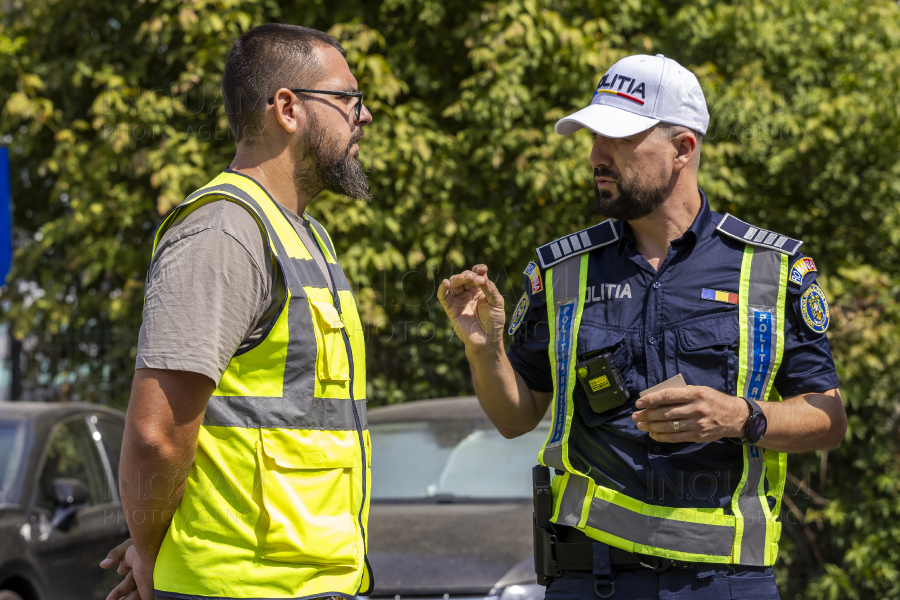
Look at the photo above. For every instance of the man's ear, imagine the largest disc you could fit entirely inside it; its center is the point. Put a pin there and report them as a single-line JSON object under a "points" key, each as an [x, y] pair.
{"points": [[685, 144], [289, 112]]}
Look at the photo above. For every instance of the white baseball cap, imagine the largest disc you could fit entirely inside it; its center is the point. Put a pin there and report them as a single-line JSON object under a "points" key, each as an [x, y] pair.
{"points": [[637, 93]]}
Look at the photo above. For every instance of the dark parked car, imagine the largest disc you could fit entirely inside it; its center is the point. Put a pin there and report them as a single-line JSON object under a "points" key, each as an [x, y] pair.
{"points": [[60, 511], [451, 503]]}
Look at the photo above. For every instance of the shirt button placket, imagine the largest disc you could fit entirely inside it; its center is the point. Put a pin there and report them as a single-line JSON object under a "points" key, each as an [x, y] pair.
{"points": [[651, 324]]}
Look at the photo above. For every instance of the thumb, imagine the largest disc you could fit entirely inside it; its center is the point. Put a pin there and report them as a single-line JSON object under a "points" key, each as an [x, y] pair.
{"points": [[443, 290], [116, 554]]}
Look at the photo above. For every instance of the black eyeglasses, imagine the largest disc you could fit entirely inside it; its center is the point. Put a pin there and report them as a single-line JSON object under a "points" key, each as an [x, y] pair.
{"points": [[359, 95]]}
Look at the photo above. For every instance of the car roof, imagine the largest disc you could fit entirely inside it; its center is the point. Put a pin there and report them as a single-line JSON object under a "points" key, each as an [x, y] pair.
{"points": [[434, 409], [53, 410]]}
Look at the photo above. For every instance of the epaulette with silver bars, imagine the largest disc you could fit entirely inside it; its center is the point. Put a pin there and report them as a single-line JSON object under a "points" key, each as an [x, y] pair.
{"points": [[577, 243], [747, 233]]}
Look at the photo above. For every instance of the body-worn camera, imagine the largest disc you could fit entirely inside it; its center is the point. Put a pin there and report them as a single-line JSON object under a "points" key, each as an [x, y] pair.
{"points": [[601, 381]]}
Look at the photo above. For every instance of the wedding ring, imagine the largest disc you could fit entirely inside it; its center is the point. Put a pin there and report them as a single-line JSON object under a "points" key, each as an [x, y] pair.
{"points": [[676, 426]]}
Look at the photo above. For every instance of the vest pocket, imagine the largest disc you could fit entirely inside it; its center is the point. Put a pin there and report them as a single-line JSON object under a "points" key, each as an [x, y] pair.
{"points": [[307, 490], [332, 363], [707, 348]]}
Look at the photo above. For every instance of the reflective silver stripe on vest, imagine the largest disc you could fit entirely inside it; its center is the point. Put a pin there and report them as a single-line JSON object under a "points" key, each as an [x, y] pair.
{"points": [[340, 280], [565, 278], [284, 413], [298, 404], [574, 497], [322, 234], [656, 532], [753, 541], [764, 323]]}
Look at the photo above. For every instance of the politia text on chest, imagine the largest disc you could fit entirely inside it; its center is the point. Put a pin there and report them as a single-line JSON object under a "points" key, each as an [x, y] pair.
{"points": [[607, 291]]}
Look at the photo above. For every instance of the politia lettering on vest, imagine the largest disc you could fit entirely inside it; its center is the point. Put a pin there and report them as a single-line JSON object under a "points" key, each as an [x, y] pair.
{"points": [[607, 291]]}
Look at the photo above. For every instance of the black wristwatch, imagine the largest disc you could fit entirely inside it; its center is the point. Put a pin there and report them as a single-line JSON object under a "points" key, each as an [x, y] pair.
{"points": [[755, 425]]}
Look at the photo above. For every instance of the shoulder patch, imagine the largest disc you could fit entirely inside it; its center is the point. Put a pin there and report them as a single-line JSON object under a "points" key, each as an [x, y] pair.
{"points": [[577, 243], [801, 268], [747, 233], [814, 308], [533, 273], [518, 314]]}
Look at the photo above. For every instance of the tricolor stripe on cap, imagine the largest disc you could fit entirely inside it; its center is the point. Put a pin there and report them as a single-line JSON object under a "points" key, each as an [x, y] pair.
{"points": [[626, 96], [717, 296]]}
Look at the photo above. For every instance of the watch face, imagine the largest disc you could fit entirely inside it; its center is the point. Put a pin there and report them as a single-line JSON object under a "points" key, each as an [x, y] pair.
{"points": [[757, 427]]}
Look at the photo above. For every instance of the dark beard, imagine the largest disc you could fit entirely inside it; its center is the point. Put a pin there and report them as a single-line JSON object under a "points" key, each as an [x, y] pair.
{"points": [[333, 168], [637, 197]]}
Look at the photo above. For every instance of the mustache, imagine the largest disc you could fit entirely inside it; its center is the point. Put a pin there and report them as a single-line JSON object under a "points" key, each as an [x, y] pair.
{"points": [[355, 139], [606, 172]]}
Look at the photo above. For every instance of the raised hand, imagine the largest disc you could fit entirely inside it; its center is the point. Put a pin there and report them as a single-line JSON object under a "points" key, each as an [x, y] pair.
{"points": [[475, 308]]}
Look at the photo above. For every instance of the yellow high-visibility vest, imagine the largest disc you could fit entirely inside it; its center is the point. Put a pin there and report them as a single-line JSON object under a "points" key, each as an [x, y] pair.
{"points": [[276, 503], [748, 532]]}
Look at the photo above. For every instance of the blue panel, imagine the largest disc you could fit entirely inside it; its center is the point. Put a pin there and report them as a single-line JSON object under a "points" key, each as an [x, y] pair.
{"points": [[565, 324], [762, 354], [5, 217]]}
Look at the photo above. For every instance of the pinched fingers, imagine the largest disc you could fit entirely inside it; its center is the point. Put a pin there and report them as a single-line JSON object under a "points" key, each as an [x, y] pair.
{"points": [[492, 294], [462, 282]]}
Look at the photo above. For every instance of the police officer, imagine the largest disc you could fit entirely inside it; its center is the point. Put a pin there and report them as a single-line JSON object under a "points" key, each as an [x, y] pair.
{"points": [[675, 493], [245, 460]]}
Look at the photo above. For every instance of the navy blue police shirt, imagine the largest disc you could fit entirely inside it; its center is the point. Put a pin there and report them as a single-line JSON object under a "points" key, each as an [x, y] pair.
{"points": [[657, 325]]}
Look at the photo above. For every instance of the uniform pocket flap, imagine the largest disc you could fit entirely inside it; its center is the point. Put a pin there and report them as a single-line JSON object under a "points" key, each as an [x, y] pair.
{"points": [[591, 338], [721, 331], [327, 314], [299, 449]]}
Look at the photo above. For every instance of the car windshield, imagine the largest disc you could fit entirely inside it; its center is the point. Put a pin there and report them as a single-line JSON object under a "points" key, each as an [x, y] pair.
{"points": [[451, 459], [12, 446]]}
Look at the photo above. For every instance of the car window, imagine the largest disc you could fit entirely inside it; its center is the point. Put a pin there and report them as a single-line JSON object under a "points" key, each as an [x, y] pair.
{"points": [[71, 453], [487, 465], [12, 448], [111, 433], [451, 458]]}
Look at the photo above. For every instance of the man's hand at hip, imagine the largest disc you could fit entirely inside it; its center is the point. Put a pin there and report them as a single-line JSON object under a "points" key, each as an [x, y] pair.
{"points": [[138, 582]]}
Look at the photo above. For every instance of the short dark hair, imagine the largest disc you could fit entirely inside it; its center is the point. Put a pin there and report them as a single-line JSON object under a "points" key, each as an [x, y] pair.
{"points": [[264, 60]]}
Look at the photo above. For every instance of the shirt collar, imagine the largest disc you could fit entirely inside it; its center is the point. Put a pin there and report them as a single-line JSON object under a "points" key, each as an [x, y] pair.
{"points": [[690, 236]]}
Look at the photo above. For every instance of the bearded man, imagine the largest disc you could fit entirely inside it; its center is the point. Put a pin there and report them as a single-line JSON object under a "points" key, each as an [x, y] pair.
{"points": [[244, 466], [683, 353]]}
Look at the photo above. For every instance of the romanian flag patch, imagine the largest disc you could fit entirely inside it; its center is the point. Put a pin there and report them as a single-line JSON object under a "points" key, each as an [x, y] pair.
{"points": [[801, 268], [715, 296], [534, 276]]}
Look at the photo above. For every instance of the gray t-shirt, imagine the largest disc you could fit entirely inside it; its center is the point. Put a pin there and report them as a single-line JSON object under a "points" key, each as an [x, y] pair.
{"points": [[213, 288]]}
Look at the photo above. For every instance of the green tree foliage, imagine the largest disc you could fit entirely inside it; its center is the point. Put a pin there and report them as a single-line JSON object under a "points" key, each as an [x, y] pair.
{"points": [[113, 114]]}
